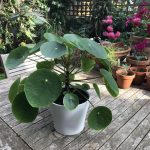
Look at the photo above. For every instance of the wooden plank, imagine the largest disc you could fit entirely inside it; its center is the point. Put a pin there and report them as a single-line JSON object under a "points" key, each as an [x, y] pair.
{"points": [[65, 140], [107, 133], [9, 140], [127, 129], [77, 140], [145, 144], [136, 136]]}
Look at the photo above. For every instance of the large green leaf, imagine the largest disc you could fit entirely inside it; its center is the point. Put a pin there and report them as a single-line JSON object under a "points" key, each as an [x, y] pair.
{"points": [[36, 48], [111, 84], [97, 90], [70, 101], [14, 90], [53, 49], [73, 40], [52, 37], [87, 64], [45, 65], [99, 118], [42, 88], [22, 109], [93, 48], [17, 57]]}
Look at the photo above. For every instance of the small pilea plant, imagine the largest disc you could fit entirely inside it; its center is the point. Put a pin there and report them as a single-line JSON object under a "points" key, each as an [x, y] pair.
{"points": [[55, 77]]}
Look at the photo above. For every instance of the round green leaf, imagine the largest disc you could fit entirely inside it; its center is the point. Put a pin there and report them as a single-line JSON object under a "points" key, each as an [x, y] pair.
{"points": [[70, 101], [53, 49], [36, 48], [111, 84], [45, 65], [53, 37], [87, 64], [42, 88], [16, 57], [22, 109], [85, 86], [73, 40], [93, 48], [14, 90], [99, 118]]}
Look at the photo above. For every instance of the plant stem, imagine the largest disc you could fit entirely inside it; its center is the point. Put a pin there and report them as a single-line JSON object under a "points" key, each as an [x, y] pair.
{"points": [[48, 60]]}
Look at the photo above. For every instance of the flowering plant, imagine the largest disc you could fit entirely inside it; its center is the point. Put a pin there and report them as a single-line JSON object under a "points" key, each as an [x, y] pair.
{"points": [[140, 21], [139, 50], [109, 31]]}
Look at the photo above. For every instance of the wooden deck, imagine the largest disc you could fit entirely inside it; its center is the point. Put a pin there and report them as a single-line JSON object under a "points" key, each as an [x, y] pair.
{"points": [[130, 128]]}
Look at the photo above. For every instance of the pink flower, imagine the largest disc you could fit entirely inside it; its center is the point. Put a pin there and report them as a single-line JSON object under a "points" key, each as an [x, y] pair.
{"points": [[105, 33], [110, 28], [109, 21], [137, 22], [117, 35], [109, 17], [139, 47], [111, 35]]}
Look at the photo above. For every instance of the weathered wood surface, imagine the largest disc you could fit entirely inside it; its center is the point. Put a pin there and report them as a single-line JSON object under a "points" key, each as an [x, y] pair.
{"points": [[129, 130]]}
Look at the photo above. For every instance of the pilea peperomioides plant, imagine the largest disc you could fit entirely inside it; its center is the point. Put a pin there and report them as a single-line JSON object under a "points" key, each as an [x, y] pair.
{"points": [[54, 80]]}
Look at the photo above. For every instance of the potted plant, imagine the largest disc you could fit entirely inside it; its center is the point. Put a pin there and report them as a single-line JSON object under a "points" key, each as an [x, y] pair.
{"points": [[139, 57], [53, 84], [140, 73], [141, 26], [125, 78], [148, 80]]}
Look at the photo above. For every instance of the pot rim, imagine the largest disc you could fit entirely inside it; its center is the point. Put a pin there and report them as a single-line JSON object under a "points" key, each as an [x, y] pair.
{"points": [[78, 105], [64, 106]]}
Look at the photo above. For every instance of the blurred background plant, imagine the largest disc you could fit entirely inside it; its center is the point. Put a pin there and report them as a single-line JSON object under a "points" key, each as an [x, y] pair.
{"points": [[22, 21]]}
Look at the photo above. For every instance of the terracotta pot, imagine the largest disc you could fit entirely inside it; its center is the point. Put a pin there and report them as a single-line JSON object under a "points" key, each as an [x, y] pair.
{"points": [[140, 73], [136, 39], [124, 81], [131, 60], [148, 68], [115, 68], [148, 80]]}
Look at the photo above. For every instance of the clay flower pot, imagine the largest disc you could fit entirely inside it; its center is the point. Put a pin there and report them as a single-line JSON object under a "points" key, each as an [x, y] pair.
{"points": [[131, 60], [148, 80], [140, 73], [124, 80]]}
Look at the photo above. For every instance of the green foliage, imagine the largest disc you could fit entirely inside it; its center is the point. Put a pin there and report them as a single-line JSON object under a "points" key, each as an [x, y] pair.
{"points": [[99, 118], [97, 90], [17, 57], [87, 64], [14, 90], [53, 49], [70, 101], [21, 22], [111, 85], [22, 109], [45, 65], [56, 81], [42, 88]]}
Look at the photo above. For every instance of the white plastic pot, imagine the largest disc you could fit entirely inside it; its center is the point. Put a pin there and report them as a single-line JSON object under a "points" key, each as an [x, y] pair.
{"points": [[69, 122]]}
